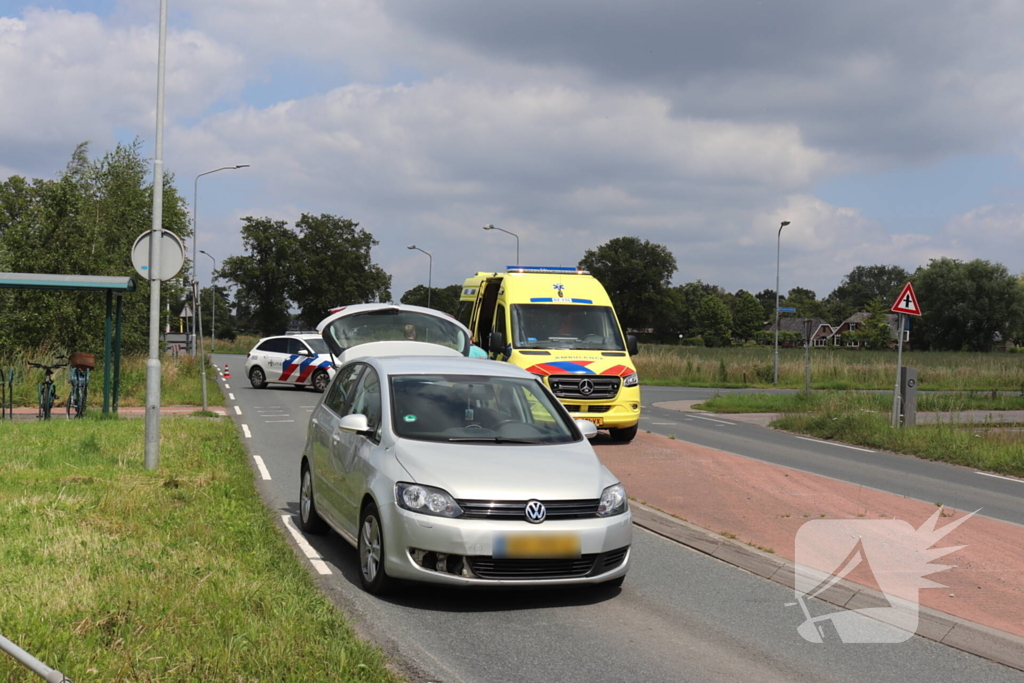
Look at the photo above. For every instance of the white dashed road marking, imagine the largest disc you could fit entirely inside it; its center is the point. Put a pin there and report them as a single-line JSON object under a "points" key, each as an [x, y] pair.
{"points": [[271, 421], [245, 430], [262, 467], [999, 476], [231, 396], [226, 385], [307, 550], [701, 417], [832, 443], [238, 411]]}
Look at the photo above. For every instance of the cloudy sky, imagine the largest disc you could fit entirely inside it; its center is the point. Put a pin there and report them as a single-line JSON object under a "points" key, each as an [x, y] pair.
{"points": [[886, 132]]}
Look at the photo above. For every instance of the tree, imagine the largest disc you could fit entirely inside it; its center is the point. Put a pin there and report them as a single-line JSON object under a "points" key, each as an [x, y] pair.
{"points": [[441, 298], [714, 321], [335, 267], [966, 305], [636, 274], [264, 275], [860, 286], [766, 297], [874, 332], [805, 302], [82, 223], [680, 310], [747, 315]]}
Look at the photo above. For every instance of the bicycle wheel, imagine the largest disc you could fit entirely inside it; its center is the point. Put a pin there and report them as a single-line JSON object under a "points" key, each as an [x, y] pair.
{"points": [[41, 413], [73, 399], [83, 395], [49, 394]]}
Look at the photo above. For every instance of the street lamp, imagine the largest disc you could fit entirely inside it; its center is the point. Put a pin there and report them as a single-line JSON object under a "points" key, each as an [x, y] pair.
{"points": [[195, 280], [778, 251], [491, 227], [213, 299], [430, 269]]}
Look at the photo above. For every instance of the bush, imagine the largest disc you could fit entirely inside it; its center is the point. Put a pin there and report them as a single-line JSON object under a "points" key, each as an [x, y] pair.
{"points": [[691, 341]]}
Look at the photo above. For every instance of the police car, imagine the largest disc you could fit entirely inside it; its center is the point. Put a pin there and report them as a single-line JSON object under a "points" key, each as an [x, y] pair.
{"points": [[296, 359]]}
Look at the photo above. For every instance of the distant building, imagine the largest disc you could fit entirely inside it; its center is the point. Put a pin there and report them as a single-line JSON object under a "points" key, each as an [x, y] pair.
{"points": [[856, 322], [821, 333]]}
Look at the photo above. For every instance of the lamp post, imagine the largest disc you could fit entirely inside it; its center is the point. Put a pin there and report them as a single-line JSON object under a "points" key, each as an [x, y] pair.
{"points": [[778, 252], [195, 280], [430, 269], [491, 227], [213, 302]]}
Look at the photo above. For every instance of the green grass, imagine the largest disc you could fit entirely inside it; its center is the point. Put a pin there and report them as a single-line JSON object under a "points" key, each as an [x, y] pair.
{"points": [[836, 368], [113, 573], [801, 402], [242, 344], [180, 380]]}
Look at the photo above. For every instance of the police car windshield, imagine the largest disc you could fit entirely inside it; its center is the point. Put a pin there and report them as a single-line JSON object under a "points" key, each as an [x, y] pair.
{"points": [[565, 326], [318, 346], [391, 324]]}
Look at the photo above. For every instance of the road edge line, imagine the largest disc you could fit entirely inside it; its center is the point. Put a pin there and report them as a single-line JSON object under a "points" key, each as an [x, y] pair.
{"points": [[968, 636]]}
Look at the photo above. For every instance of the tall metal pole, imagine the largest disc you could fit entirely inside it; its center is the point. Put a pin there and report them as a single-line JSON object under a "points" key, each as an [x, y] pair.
{"points": [[213, 303], [152, 458], [778, 252], [430, 270], [491, 227], [899, 364]]}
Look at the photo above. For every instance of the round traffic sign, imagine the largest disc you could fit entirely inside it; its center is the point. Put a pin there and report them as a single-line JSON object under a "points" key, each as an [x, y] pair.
{"points": [[172, 254]]}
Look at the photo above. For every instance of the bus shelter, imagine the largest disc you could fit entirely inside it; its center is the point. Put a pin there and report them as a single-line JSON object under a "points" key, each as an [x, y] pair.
{"points": [[115, 287]]}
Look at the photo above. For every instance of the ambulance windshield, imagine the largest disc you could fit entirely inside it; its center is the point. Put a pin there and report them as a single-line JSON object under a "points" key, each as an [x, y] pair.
{"points": [[565, 326]]}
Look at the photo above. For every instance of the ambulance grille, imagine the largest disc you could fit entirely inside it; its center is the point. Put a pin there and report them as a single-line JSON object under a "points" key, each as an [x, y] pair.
{"points": [[585, 387]]}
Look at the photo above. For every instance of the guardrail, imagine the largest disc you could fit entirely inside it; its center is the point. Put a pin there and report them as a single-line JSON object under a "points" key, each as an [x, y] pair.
{"points": [[32, 664]]}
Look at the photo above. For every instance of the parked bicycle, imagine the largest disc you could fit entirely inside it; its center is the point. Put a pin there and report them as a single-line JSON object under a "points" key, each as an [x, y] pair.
{"points": [[81, 365], [47, 390]]}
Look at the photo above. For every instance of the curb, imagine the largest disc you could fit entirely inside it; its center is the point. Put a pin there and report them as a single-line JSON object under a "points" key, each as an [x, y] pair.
{"points": [[976, 639]]}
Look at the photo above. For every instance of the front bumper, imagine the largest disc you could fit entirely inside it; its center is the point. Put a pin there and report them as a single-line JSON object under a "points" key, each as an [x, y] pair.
{"points": [[465, 542]]}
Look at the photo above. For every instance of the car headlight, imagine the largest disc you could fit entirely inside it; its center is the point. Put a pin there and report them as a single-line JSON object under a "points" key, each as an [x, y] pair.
{"points": [[426, 500], [613, 501], [630, 380]]}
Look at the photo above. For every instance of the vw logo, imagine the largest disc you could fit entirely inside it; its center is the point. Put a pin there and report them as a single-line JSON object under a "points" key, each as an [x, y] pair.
{"points": [[536, 512], [586, 387]]}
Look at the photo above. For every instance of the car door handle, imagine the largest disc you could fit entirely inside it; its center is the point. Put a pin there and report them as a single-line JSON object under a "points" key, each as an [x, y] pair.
{"points": [[315, 422], [335, 439]]}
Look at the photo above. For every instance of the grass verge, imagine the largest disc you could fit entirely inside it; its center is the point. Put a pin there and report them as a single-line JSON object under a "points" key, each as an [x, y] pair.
{"points": [[978, 445], [113, 573], [801, 402]]}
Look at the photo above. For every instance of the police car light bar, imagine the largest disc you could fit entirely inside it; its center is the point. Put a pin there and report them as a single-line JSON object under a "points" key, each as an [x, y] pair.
{"points": [[569, 270]]}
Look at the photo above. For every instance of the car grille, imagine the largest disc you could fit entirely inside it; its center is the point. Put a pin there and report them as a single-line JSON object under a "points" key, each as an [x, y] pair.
{"points": [[590, 409], [533, 569], [503, 510], [574, 386]]}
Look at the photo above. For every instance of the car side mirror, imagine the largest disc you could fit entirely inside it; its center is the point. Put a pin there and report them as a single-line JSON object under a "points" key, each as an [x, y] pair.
{"points": [[496, 342], [632, 345], [357, 424], [303, 352], [588, 428]]}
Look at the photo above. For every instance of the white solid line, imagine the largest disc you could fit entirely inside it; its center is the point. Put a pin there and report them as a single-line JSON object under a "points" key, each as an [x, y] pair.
{"points": [[663, 423], [307, 406], [833, 443], [245, 430], [262, 467], [701, 417], [999, 476], [238, 411], [231, 396], [305, 547], [271, 421]]}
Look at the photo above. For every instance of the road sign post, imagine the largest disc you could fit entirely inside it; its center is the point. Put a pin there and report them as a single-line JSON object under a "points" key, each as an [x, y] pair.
{"points": [[906, 304]]}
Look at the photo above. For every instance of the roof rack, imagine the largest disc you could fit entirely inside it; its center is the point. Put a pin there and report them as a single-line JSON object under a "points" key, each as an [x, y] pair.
{"points": [[561, 270]]}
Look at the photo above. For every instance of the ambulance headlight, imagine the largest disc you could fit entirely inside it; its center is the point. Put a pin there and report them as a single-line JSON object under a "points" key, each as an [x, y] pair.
{"points": [[630, 380]]}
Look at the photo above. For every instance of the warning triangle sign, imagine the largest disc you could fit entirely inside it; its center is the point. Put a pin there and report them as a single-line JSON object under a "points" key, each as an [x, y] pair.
{"points": [[906, 302], [185, 312]]}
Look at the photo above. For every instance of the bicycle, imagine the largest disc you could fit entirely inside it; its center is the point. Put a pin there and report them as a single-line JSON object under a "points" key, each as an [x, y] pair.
{"points": [[47, 390], [81, 365]]}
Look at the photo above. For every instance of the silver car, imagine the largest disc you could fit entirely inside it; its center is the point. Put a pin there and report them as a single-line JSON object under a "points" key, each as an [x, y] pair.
{"points": [[461, 472]]}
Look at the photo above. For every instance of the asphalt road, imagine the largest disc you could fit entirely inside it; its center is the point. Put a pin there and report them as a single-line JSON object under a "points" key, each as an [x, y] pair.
{"points": [[934, 482], [681, 616]]}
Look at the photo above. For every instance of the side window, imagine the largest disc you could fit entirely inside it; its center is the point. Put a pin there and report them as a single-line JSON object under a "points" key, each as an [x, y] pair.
{"points": [[341, 390], [272, 346], [366, 400], [293, 346]]}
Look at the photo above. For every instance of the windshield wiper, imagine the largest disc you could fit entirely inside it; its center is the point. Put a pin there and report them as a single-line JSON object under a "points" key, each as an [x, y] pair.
{"points": [[491, 439]]}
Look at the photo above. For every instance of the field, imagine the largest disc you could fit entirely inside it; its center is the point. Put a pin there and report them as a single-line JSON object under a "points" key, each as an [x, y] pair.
{"points": [[113, 573], [819, 400], [180, 383], [751, 366]]}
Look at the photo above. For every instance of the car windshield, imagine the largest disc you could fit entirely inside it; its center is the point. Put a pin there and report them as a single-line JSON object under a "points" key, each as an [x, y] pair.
{"points": [[392, 324], [318, 345], [476, 409], [563, 326]]}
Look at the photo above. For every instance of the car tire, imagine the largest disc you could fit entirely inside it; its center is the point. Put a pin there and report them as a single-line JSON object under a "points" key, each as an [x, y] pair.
{"points": [[624, 435], [320, 381], [372, 575], [309, 520], [257, 378]]}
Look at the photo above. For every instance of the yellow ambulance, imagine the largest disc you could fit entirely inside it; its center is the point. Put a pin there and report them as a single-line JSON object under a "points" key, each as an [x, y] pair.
{"points": [[558, 322]]}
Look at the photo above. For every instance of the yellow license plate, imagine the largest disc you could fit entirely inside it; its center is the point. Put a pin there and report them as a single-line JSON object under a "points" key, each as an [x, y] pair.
{"points": [[596, 420], [537, 545]]}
